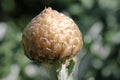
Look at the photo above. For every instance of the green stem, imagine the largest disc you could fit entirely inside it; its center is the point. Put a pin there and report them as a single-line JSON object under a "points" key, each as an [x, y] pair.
{"points": [[66, 71], [59, 71], [51, 69]]}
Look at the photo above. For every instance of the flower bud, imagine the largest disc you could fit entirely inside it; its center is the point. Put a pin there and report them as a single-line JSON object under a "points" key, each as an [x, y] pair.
{"points": [[51, 36]]}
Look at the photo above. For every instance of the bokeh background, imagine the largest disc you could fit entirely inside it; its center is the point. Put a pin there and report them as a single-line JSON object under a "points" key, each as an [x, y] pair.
{"points": [[98, 20]]}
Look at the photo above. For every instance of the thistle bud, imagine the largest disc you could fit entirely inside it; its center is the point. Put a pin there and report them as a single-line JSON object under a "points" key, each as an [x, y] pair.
{"points": [[51, 36]]}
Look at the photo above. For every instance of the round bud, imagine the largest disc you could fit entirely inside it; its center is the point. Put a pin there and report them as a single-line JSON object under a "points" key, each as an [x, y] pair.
{"points": [[51, 36]]}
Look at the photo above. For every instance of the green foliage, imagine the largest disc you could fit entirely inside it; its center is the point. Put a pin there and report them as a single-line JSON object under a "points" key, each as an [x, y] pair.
{"points": [[71, 66], [98, 20]]}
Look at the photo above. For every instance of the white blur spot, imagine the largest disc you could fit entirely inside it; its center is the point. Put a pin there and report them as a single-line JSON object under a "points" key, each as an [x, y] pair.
{"points": [[91, 78], [88, 38], [100, 50], [14, 73], [3, 30], [31, 70], [95, 30], [97, 63]]}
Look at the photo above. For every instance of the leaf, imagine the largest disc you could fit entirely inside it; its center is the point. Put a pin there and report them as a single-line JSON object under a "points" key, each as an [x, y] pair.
{"points": [[71, 66], [58, 66]]}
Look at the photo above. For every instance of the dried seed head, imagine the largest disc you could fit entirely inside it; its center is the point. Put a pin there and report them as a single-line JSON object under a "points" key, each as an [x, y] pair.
{"points": [[51, 36]]}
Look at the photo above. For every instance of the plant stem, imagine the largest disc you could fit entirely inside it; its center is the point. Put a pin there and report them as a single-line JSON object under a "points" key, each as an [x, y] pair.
{"points": [[66, 71], [63, 73], [51, 69]]}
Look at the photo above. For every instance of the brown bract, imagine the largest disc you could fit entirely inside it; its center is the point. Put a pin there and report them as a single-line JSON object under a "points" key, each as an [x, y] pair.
{"points": [[51, 36]]}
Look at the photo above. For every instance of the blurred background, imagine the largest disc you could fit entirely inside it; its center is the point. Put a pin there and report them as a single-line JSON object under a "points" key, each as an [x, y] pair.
{"points": [[98, 20]]}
